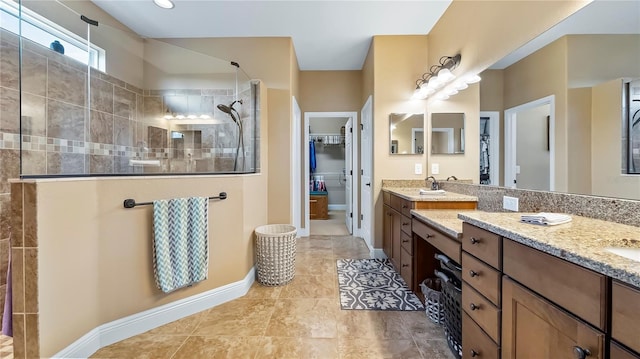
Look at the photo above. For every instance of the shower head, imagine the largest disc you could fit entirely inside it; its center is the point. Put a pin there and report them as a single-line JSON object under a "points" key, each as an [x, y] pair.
{"points": [[224, 108]]}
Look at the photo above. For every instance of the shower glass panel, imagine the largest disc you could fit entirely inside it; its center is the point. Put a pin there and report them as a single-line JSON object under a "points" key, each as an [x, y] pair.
{"points": [[113, 103]]}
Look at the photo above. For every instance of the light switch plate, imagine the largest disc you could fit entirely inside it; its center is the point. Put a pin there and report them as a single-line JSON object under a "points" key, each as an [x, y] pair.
{"points": [[435, 169], [510, 203], [418, 168]]}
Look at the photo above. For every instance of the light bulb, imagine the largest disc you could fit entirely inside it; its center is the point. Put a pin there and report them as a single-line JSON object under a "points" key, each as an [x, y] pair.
{"points": [[472, 79], [460, 85], [165, 4], [445, 75]]}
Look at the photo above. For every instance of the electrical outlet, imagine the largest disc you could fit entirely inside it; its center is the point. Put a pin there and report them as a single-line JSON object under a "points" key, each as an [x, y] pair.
{"points": [[418, 169], [510, 203], [435, 169]]}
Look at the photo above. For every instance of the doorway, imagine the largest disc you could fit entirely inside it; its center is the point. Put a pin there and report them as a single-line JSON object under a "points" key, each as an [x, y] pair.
{"points": [[329, 161], [490, 148], [529, 145]]}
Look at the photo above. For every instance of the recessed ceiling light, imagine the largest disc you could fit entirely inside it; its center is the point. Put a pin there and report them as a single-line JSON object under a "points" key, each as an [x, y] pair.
{"points": [[165, 4]]}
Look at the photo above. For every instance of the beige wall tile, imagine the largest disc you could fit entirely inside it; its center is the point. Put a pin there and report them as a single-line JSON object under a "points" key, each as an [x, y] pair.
{"points": [[17, 279], [19, 346], [31, 280], [32, 336], [16, 215], [30, 215]]}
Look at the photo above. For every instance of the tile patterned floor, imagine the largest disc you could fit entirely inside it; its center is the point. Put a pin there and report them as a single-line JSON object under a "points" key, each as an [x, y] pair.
{"points": [[300, 320]]}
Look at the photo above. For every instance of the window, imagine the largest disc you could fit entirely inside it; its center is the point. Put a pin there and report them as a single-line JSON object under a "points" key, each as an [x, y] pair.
{"points": [[42, 31], [632, 126]]}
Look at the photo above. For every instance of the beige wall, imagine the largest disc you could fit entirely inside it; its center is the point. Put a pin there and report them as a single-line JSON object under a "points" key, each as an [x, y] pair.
{"points": [[606, 152], [579, 140], [397, 62], [280, 185], [330, 91], [492, 99], [124, 49], [108, 271], [594, 59], [486, 31], [265, 58], [539, 75]]}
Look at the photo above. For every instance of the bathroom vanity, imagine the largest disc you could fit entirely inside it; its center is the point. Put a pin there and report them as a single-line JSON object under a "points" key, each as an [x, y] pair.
{"points": [[411, 257]]}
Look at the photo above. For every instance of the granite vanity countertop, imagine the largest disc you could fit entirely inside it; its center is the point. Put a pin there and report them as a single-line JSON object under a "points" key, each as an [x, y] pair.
{"points": [[581, 241], [413, 194], [445, 220]]}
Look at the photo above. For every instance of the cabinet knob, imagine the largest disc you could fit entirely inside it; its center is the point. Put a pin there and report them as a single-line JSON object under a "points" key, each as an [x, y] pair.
{"points": [[405, 241], [428, 235], [474, 240], [473, 273], [581, 353], [405, 265], [405, 206], [473, 306], [405, 223], [474, 353]]}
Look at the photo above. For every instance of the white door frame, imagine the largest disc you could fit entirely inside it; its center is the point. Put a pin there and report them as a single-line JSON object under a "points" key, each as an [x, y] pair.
{"points": [[450, 137], [510, 116], [295, 167], [305, 179], [367, 203], [494, 149], [413, 139]]}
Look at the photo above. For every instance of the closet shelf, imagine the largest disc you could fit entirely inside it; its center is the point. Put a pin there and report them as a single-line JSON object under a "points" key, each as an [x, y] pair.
{"points": [[327, 138]]}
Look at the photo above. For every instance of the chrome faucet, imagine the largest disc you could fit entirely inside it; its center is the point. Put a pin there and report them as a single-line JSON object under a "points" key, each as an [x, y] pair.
{"points": [[434, 184], [454, 178]]}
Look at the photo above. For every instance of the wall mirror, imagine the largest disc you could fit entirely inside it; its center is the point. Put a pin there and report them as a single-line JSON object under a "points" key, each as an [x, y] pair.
{"points": [[447, 133], [588, 152], [407, 133]]}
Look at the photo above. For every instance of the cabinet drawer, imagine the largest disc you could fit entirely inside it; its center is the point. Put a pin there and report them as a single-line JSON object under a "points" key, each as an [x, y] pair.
{"points": [[401, 205], [386, 198], [618, 352], [448, 246], [406, 268], [482, 244], [405, 224], [407, 242], [481, 311], [481, 277], [576, 289], [475, 342], [625, 315]]}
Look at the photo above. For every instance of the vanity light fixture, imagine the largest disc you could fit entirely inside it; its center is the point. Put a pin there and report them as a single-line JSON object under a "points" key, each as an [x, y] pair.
{"points": [[437, 77], [165, 4]]}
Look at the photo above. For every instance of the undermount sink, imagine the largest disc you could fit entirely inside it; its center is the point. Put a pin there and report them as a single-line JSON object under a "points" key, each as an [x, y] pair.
{"points": [[153, 163], [630, 253], [432, 192]]}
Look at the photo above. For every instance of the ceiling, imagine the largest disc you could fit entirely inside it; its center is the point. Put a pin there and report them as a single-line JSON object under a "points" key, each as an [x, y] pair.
{"points": [[335, 35], [327, 35]]}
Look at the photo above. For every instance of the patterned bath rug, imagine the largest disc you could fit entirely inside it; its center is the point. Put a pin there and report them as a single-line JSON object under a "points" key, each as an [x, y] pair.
{"points": [[373, 284]]}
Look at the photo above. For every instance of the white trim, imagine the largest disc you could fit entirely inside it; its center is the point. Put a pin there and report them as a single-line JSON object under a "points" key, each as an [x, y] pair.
{"points": [[120, 329], [295, 167], [414, 130], [304, 180], [510, 140], [377, 253], [494, 150]]}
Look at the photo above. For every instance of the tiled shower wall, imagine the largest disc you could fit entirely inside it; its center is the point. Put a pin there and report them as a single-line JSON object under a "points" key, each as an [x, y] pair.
{"points": [[61, 135]]}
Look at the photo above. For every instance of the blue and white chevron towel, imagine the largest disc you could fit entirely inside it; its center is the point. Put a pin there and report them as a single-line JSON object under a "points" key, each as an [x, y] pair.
{"points": [[180, 243]]}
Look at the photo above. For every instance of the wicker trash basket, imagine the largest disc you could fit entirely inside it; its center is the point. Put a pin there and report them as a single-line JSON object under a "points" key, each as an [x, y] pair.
{"points": [[276, 254]]}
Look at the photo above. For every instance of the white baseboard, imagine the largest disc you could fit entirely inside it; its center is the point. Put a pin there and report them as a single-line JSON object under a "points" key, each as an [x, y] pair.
{"points": [[337, 207], [124, 328]]}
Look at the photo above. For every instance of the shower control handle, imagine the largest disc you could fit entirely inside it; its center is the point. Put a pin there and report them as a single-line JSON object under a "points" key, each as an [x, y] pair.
{"points": [[368, 184]]}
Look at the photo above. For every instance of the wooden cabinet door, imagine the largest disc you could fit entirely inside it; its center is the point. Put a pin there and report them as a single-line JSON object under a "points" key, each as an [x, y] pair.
{"points": [[396, 239], [387, 231], [534, 328]]}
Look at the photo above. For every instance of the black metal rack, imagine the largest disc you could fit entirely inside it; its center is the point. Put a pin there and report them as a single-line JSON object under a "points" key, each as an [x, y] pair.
{"points": [[130, 202]]}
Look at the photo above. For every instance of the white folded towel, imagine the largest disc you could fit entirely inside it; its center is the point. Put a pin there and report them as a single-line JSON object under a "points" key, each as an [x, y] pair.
{"points": [[546, 219]]}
